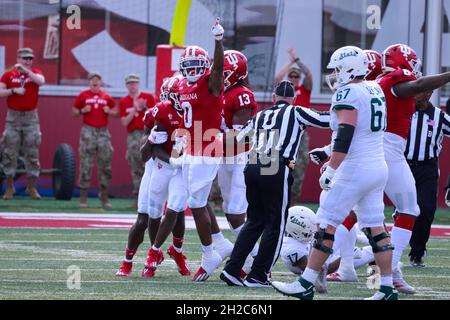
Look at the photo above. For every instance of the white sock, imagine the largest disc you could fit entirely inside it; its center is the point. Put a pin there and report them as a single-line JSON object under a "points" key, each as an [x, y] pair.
{"points": [[400, 239], [207, 250], [340, 236], [236, 231], [179, 250], [217, 237], [386, 280], [347, 250], [155, 248], [255, 249], [310, 275]]}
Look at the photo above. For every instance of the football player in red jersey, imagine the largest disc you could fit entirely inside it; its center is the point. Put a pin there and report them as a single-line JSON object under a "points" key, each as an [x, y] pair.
{"points": [[400, 82], [137, 230], [166, 182], [201, 98], [238, 108], [374, 59]]}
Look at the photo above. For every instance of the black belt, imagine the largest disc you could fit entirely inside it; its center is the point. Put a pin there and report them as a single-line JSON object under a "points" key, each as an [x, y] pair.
{"points": [[289, 163], [431, 161]]}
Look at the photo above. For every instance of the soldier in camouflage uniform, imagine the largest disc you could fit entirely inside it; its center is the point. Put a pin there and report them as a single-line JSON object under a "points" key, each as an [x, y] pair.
{"points": [[300, 168], [132, 108], [95, 140], [22, 130]]}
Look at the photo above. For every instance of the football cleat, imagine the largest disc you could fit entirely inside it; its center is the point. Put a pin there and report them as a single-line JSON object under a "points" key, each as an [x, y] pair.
{"points": [[255, 283], [224, 248], [300, 289], [343, 275], [207, 267], [337, 277], [154, 258], [400, 284], [385, 293], [230, 280], [180, 260], [125, 269]]}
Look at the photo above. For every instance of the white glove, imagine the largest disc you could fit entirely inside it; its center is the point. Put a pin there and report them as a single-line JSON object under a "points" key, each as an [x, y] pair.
{"points": [[319, 155], [447, 197], [158, 137], [326, 177], [176, 162], [217, 30]]}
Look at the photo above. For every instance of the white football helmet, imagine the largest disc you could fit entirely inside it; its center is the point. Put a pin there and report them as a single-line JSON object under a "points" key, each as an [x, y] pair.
{"points": [[348, 63], [301, 223]]}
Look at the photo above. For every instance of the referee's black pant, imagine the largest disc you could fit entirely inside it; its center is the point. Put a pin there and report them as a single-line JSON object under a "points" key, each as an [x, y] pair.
{"points": [[426, 174], [268, 199]]}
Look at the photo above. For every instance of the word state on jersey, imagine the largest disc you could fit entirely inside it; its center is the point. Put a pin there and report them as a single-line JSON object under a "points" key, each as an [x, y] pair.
{"points": [[360, 179]]}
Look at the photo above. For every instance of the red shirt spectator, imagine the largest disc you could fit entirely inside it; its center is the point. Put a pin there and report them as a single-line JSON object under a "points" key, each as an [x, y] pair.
{"points": [[16, 79], [96, 117], [127, 104]]}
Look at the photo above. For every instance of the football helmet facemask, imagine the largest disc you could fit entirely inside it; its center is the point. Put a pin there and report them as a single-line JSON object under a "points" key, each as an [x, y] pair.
{"points": [[194, 62]]}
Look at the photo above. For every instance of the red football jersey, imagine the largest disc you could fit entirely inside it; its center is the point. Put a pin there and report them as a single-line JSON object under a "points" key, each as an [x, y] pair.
{"points": [[97, 100], [399, 110], [14, 79], [166, 115], [126, 105], [236, 98], [302, 97], [202, 116], [149, 119]]}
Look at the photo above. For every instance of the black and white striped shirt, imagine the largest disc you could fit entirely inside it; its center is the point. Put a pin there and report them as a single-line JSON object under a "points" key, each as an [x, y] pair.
{"points": [[280, 128], [427, 131]]}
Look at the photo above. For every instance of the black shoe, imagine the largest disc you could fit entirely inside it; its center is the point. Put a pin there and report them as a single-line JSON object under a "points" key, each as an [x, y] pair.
{"points": [[255, 283], [231, 280], [417, 262]]}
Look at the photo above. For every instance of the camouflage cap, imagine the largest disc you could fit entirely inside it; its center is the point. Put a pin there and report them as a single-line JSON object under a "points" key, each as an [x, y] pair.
{"points": [[25, 53], [295, 70], [94, 74], [132, 77]]}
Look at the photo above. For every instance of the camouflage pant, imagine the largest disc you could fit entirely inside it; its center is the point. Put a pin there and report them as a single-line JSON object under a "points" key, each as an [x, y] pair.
{"points": [[133, 157], [22, 133], [95, 143], [300, 168]]}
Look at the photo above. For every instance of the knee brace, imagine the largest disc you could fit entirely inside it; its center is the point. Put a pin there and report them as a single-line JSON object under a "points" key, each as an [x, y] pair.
{"points": [[319, 236], [374, 240]]}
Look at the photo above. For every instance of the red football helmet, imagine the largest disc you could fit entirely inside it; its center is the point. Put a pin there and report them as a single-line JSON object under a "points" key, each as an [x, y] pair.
{"points": [[169, 90], [194, 62], [234, 67], [374, 59], [401, 56]]}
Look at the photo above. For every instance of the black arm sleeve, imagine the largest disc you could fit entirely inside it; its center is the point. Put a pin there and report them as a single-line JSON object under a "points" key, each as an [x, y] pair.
{"points": [[344, 138]]}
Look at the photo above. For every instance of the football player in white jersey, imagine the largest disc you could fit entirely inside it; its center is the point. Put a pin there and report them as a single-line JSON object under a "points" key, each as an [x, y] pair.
{"points": [[356, 174]]}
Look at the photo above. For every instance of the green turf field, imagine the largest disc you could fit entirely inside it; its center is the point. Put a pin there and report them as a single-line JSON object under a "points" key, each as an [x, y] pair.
{"points": [[34, 265]]}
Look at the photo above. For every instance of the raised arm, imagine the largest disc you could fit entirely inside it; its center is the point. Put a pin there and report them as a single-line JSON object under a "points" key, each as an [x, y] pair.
{"points": [[216, 79], [308, 80], [423, 84]]}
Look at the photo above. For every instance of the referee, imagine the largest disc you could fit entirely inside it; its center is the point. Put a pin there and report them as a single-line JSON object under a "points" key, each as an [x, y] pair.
{"points": [[428, 126], [275, 134]]}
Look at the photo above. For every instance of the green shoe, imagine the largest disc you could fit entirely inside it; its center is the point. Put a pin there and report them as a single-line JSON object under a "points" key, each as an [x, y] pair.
{"points": [[385, 293], [300, 289]]}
